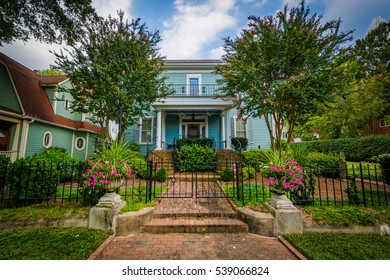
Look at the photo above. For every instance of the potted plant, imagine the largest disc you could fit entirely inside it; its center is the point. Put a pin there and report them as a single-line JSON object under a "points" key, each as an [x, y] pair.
{"points": [[107, 175], [110, 169]]}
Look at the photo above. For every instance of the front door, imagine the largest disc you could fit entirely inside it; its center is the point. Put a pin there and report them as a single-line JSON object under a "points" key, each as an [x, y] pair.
{"points": [[193, 131]]}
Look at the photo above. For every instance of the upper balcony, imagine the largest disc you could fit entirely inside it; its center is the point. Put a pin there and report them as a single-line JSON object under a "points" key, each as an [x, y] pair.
{"points": [[195, 89]]}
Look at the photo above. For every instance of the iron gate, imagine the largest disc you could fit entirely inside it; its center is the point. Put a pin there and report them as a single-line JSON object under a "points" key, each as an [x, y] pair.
{"points": [[194, 180]]}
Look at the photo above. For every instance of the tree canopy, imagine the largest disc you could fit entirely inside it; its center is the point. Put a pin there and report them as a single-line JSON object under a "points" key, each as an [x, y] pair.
{"points": [[115, 71], [284, 66], [50, 21]]}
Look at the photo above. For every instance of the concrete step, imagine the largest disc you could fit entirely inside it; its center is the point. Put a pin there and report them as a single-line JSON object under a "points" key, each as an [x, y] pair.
{"points": [[205, 225]]}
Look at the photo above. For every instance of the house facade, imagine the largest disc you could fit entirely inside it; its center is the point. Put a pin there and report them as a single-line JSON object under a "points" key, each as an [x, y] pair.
{"points": [[195, 111], [35, 115]]}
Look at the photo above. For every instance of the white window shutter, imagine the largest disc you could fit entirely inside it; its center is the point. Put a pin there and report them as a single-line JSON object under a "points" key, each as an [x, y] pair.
{"points": [[249, 129]]}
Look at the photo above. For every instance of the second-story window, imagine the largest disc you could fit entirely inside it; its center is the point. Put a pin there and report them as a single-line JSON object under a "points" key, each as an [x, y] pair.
{"points": [[193, 84]]}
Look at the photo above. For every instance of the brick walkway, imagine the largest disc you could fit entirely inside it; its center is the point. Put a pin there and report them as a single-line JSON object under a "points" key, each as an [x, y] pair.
{"points": [[195, 246], [188, 246]]}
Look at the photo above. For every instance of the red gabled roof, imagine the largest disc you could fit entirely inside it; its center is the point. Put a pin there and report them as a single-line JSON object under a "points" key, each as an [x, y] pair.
{"points": [[33, 97]]}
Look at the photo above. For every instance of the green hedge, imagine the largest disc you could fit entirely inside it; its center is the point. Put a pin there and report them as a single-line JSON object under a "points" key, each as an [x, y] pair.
{"points": [[195, 157], [362, 149], [204, 142]]}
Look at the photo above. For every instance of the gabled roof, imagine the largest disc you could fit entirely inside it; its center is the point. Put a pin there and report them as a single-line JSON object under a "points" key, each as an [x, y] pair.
{"points": [[29, 86]]}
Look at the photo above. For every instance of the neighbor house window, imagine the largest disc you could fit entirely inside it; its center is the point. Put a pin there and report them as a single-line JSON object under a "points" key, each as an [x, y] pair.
{"points": [[146, 130], [67, 104], [80, 143], [47, 139]]}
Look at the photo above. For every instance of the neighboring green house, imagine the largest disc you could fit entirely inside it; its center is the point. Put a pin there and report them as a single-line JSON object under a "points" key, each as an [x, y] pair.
{"points": [[194, 111], [34, 115]]}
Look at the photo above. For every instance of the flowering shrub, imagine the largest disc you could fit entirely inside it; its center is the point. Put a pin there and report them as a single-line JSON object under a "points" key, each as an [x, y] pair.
{"points": [[284, 177], [100, 175]]}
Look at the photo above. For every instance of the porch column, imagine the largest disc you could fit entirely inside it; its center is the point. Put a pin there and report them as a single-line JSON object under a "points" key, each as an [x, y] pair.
{"points": [[158, 136], [228, 134], [223, 133]]}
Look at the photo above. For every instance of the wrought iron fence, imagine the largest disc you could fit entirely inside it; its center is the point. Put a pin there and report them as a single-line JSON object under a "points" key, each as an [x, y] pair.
{"points": [[30, 182], [358, 184]]}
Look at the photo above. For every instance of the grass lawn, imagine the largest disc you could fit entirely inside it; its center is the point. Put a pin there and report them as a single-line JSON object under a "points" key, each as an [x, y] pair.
{"points": [[50, 243], [348, 215], [136, 199], [44, 211], [333, 246]]}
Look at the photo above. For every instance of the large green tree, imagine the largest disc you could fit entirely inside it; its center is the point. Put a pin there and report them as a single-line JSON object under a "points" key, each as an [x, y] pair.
{"points": [[115, 71], [50, 21], [284, 65]]}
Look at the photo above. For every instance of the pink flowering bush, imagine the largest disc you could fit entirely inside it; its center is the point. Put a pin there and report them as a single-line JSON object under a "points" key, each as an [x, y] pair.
{"points": [[102, 174], [285, 177], [99, 175]]}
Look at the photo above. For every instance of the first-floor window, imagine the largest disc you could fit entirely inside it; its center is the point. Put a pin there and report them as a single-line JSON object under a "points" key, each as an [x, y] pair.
{"points": [[47, 139], [240, 128], [146, 130]]}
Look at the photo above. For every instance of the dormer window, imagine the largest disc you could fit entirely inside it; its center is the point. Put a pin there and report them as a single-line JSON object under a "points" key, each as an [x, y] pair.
{"points": [[67, 104]]}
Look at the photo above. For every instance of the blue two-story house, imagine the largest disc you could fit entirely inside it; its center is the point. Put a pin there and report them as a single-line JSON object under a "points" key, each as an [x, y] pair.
{"points": [[195, 111]]}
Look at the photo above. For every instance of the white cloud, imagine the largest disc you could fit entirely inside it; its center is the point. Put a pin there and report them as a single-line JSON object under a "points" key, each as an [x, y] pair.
{"points": [[216, 53], [193, 26], [356, 14], [110, 7]]}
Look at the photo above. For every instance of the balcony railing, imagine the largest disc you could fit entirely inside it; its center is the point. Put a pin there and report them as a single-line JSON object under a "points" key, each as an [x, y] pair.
{"points": [[195, 90]]}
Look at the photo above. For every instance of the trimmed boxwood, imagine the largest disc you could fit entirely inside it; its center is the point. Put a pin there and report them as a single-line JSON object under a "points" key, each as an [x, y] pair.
{"points": [[361, 149], [327, 163], [204, 142], [195, 157]]}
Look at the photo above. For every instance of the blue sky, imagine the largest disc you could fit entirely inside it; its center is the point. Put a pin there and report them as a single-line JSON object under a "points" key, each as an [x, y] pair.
{"points": [[193, 29]]}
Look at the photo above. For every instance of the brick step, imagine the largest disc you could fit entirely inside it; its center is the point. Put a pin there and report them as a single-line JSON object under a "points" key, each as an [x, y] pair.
{"points": [[169, 225], [195, 215]]}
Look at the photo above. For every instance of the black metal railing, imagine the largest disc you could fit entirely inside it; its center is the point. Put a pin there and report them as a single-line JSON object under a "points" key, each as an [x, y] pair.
{"points": [[30, 182], [25, 183], [195, 90]]}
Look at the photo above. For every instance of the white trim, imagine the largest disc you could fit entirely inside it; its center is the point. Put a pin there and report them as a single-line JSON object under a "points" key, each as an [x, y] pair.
{"points": [[140, 129], [228, 128], [55, 101], [50, 139], [67, 100], [196, 76], [158, 131], [235, 126], [72, 150], [23, 140], [87, 146], [75, 143]]}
